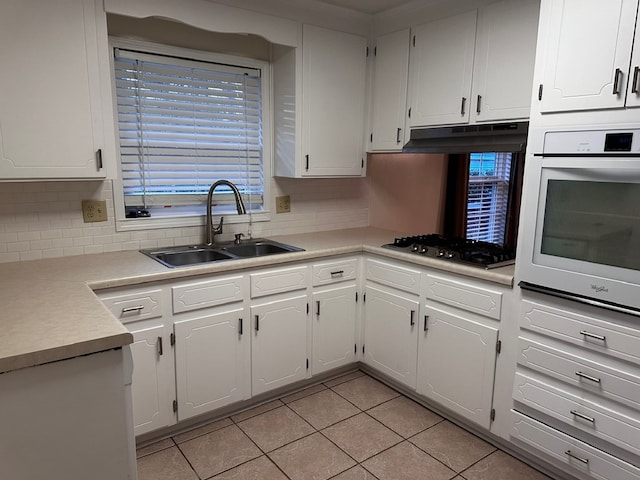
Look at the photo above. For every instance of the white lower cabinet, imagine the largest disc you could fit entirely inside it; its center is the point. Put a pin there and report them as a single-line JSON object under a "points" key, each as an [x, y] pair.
{"points": [[391, 333], [456, 363], [334, 327], [212, 358], [153, 388], [278, 343]]}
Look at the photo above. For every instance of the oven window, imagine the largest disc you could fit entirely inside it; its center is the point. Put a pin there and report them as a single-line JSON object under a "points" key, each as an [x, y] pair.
{"points": [[596, 222]]}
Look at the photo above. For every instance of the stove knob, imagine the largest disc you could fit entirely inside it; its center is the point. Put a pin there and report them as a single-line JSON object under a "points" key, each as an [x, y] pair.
{"points": [[449, 254], [423, 250], [414, 247], [440, 253]]}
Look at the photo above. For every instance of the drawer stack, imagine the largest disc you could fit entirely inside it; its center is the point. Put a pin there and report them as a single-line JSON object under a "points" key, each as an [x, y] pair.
{"points": [[577, 389]]}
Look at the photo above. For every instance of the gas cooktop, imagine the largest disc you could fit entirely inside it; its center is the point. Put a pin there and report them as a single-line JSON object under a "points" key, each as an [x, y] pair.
{"points": [[456, 249]]}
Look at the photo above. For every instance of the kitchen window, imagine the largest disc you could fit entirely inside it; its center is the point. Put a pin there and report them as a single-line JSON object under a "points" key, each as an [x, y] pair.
{"points": [[185, 120], [488, 196], [483, 196]]}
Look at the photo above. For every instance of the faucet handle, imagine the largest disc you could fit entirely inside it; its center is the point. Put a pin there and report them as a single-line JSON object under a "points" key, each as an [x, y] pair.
{"points": [[238, 237], [218, 228]]}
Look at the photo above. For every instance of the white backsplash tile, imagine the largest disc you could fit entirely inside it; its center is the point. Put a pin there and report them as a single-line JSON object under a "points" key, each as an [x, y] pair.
{"points": [[44, 219]]}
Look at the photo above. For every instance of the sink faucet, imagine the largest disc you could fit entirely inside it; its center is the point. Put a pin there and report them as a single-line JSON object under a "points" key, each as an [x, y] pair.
{"points": [[211, 230]]}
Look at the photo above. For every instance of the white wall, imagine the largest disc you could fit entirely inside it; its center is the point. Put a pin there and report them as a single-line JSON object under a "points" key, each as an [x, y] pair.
{"points": [[44, 219]]}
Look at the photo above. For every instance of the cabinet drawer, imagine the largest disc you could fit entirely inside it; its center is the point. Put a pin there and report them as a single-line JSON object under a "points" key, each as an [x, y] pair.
{"points": [[608, 379], [278, 281], [332, 272], [571, 452], [405, 279], [588, 332], [132, 307], [598, 419], [210, 293], [462, 295]]}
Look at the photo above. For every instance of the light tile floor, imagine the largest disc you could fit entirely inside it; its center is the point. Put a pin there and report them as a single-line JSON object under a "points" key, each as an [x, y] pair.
{"points": [[349, 428]]}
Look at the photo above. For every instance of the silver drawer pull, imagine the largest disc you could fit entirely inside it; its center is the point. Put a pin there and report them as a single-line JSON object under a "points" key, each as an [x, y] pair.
{"points": [[593, 335], [588, 377], [580, 459], [337, 272], [583, 416], [137, 308]]}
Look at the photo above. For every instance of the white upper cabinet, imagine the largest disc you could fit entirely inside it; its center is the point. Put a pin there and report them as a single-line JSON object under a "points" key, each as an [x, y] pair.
{"points": [[53, 90], [504, 60], [474, 67], [440, 71], [633, 85], [390, 71], [319, 97], [587, 54]]}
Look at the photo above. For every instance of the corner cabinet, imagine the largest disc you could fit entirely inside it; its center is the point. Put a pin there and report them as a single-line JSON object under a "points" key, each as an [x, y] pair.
{"points": [[483, 73], [587, 53], [55, 100], [390, 73], [319, 97]]}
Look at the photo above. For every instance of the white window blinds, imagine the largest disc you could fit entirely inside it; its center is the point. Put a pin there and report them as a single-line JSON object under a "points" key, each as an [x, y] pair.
{"points": [[185, 124], [488, 197]]}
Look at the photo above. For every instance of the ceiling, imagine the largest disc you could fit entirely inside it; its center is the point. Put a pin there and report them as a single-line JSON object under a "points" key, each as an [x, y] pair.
{"points": [[367, 6]]}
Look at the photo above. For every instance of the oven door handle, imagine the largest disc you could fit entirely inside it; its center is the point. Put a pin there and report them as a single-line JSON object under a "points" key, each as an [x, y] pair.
{"points": [[595, 173]]}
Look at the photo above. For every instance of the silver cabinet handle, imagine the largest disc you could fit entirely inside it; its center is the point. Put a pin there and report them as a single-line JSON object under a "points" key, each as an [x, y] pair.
{"points": [[478, 103], [616, 81], [588, 377], [583, 416], [159, 344], [240, 326], [634, 85], [580, 459], [462, 105], [426, 318], [593, 335], [257, 323], [412, 321], [318, 308], [137, 308], [398, 131], [337, 273]]}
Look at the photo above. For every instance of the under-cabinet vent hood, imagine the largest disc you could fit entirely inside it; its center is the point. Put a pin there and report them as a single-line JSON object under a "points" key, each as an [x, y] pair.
{"points": [[497, 137]]}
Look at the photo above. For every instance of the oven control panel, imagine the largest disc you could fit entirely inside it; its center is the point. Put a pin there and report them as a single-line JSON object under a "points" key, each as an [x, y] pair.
{"points": [[590, 142]]}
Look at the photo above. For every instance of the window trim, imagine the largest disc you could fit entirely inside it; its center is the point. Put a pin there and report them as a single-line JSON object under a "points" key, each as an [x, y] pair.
{"points": [[196, 217]]}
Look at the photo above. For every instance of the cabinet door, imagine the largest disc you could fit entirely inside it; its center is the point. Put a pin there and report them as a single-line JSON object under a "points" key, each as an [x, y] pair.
{"points": [[440, 71], [457, 364], [334, 328], [391, 334], [50, 96], [391, 69], [278, 343], [504, 60], [633, 87], [152, 387], [334, 77], [588, 41], [211, 361]]}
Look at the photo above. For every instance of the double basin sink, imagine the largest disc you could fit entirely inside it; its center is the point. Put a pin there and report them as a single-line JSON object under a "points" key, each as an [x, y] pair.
{"points": [[196, 254]]}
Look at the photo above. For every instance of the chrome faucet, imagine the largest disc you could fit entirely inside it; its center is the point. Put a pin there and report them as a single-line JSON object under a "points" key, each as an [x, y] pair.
{"points": [[211, 230]]}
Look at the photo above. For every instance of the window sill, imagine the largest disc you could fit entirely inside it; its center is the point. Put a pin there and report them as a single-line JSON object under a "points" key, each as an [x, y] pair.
{"points": [[151, 223]]}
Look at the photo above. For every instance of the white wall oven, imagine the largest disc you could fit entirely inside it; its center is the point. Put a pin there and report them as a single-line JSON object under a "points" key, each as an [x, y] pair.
{"points": [[582, 238]]}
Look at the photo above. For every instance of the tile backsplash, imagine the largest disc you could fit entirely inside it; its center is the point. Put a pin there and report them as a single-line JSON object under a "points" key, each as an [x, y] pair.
{"points": [[44, 219]]}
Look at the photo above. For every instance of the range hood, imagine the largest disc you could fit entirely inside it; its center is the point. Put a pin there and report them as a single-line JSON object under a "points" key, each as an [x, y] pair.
{"points": [[496, 137]]}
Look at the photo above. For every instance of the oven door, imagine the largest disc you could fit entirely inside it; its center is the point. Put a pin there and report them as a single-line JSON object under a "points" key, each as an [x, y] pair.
{"points": [[587, 232]]}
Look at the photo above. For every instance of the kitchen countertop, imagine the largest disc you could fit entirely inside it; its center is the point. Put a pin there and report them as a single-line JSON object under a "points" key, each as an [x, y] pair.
{"points": [[50, 313]]}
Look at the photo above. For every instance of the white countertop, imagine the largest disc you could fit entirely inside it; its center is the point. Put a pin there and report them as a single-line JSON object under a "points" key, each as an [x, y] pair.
{"points": [[49, 310]]}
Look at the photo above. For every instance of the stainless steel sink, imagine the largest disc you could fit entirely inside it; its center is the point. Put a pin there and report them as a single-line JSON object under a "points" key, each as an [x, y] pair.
{"points": [[196, 254], [258, 249]]}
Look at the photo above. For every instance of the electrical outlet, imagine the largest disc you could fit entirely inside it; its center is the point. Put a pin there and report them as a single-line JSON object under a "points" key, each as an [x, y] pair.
{"points": [[283, 204], [94, 210]]}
